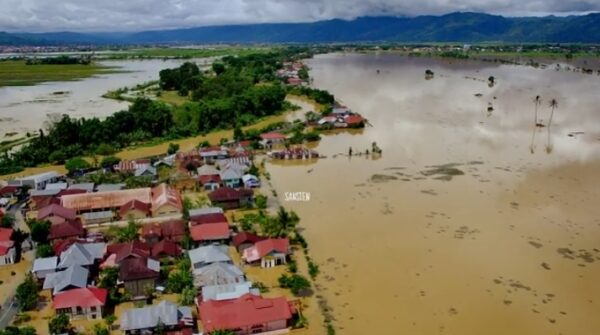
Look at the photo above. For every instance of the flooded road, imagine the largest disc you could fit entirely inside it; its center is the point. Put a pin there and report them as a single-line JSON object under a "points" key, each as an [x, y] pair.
{"points": [[473, 221], [25, 108]]}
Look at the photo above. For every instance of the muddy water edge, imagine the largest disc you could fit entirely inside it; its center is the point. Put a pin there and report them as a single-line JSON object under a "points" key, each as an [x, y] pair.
{"points": [[465, 225]]}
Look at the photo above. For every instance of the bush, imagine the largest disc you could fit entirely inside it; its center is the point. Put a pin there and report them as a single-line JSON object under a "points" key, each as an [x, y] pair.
{"points": [[27, 294], [109, 161], [173, 148], [76, 164], [59, 324], [313, 269], [295, 282], [44, 250], [261, 201]]}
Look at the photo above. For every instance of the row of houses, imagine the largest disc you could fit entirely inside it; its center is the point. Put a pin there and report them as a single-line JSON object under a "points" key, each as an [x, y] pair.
{"points": [[227, 300]]}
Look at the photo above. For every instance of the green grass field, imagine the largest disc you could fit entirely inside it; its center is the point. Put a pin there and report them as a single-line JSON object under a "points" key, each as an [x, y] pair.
{"points": [[17, 73]]}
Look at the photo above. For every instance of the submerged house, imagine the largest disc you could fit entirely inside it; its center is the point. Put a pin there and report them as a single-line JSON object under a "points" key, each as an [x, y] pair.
{"points": [[139, 275], [248, 314], [269, 252], [210, 233], [231, 177], [7, 247], [81, 303], [229, 198], [147, 320]]}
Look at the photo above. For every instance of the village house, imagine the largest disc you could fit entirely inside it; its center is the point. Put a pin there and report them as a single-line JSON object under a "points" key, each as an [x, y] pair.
{"points": [[208, 218], [231, 177], [210, 182], [244, 240], [7, 247], [218, 273], [269, 252], [9, 195], [36, 181], [211, 265], [172, 230], [145, 171], [118, 252], [44, 266], [269, 140], [163, 200], [56, 186], [74, 276], [227, 291], [82, 254], [56, 214], [134, 210], [139, 275], [210, 233], [212, 154], [70, 229], [87, 187], [147, 320], [81, 303], [294, 153], [250, 181], [131, 166], [248, 314], [229, 198], [166, 249], [197, 213]]}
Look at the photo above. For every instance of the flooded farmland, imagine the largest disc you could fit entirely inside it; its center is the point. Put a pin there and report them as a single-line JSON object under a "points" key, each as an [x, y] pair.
{"points": [[25, 108], [474, 220]]}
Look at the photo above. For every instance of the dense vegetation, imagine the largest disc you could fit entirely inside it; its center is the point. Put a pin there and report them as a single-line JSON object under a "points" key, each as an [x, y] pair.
{"points": [[60, 60], [18, 73]]}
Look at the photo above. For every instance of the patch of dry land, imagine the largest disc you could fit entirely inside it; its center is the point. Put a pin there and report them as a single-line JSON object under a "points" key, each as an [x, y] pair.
{"points": [[469, 223]]}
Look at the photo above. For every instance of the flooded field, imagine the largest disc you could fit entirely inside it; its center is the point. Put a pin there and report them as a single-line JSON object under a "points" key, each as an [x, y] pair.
{"points": [[473, 221], [25, 108]]}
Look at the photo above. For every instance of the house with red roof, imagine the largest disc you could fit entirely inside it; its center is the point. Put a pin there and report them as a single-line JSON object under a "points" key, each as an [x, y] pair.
{"points": [[229, 198], [210, 182], [118, 252], [165, 248], [248, 314], [81, 303], [166, 201], [56, 214], [138, 275], [243, 240], [354, 121], [269, 252], [173, 230], [134, 209], [210, 232], [208, 218], [71, 229], [7, 247], [267, 140]]}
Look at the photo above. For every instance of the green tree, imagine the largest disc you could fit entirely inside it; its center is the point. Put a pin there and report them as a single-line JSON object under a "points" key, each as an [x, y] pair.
{"points": [[100, 329], [261, 201], [39, 230], [173, 148], [238, 133], [223, 332], [12, 330], [128, 233], [218, 68], [188, 294], [109, 161], [44, 250], [76, 164], [110, 319], [8, 221], [59, 324], [178, 280], [295, 282], [27, 294]]}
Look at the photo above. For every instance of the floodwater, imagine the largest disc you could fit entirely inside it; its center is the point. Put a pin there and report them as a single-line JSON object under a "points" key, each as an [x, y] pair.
{"points": [[462, 226], [25, 108]]}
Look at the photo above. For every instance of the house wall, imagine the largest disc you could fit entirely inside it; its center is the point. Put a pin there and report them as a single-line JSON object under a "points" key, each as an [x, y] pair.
{"points": [[137, 288], [211, 186], [76, 313], [44, 273], [234, 183], [165, 210], [135, 214], [228, 204], [9, 258]]}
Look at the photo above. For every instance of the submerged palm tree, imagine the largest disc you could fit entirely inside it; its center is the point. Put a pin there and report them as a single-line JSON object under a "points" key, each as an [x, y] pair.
{"points": [[553, 106], [537, 101]]}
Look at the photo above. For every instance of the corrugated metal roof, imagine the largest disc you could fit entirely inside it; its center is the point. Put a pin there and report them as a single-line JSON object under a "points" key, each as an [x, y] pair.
{"points": [[149, 317], [73, 276]]}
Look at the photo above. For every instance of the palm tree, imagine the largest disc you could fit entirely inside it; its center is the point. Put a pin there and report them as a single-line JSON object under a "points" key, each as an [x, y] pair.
{"points": [[553, 106], [537, 101]]}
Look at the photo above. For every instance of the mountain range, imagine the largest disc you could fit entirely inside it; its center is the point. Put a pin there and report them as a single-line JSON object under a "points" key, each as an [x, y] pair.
{"points": [[453, 27]]}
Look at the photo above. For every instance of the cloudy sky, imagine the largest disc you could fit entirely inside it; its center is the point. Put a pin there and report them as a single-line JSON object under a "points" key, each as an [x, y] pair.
{"points": [[135, 15]]}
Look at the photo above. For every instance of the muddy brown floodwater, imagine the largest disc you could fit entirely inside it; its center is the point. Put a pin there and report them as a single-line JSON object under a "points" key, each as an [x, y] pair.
{"points": [[463, 226]]}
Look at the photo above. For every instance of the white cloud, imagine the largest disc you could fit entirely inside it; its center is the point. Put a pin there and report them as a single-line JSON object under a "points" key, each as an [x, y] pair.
{"points": [[135, 15]]}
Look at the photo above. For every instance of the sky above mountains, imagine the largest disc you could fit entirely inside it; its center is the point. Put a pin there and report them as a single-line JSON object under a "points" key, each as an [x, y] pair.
{"points": [[137, 15]]}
